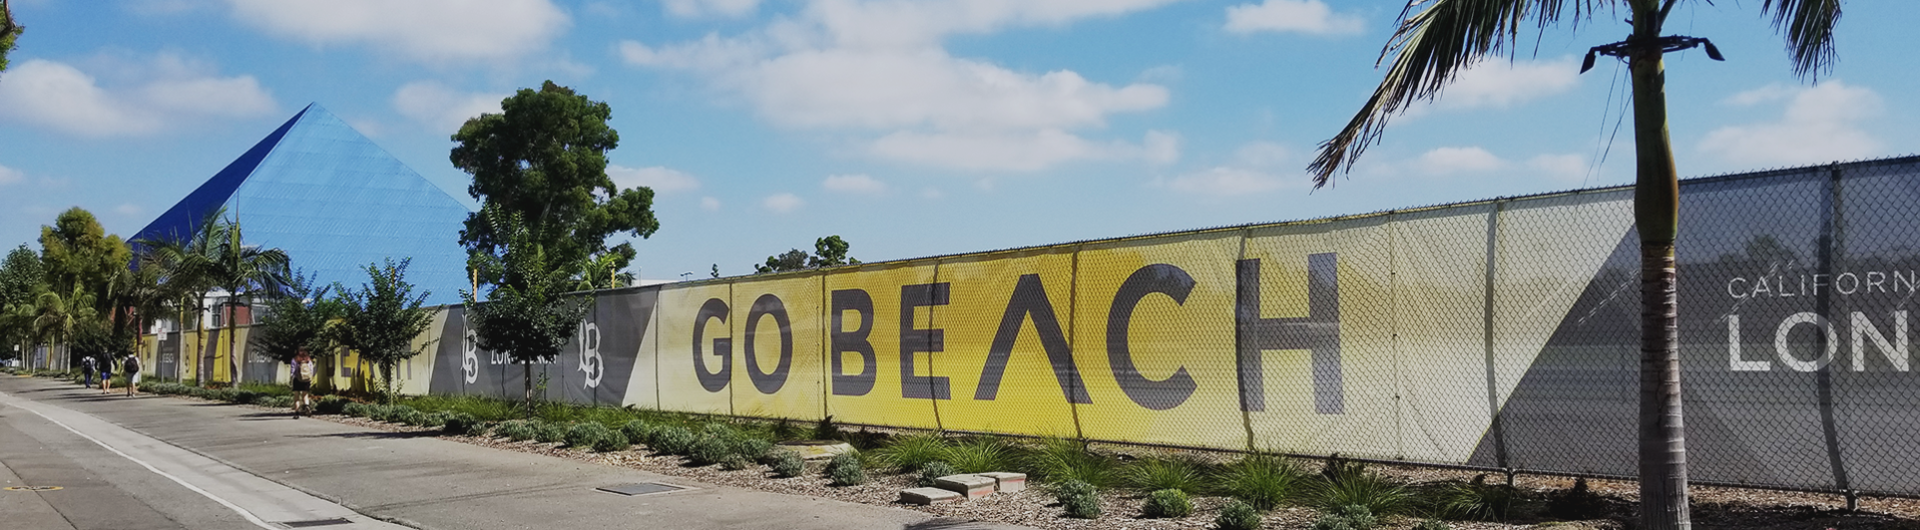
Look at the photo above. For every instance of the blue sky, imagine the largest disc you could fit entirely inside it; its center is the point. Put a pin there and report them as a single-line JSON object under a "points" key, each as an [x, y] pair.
{"points": [[909, 128]]}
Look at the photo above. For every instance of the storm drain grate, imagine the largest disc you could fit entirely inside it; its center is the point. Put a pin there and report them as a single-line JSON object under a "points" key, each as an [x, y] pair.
{"points": [[315, 522], [643, 488]]}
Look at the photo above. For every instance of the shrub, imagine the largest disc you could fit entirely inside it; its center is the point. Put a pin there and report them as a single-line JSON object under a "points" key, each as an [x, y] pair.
{"points": [[550, 432], [825, 430], [752, 449], [357, 410], [612, 441], [1262, 481], [1351, 517], [1237, 515], [979, 455], [406, 415], [845, 470], [932, 471], [331, 405], [517, 430], [1432, 524], [1379, 495], [911, 452], [436, 419], [462, 423], [278, 402], [1155, 474], [1060, 460], [1079, 499], [241, 396], [1475, 501], [710, 449], [637, 432], [788, 464], [587, 435], [735, 462], [1167, 503], [673, 440]]}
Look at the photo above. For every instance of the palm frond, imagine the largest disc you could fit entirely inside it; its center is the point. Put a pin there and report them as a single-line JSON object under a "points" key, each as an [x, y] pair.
{"points": [[1808, 25], [1429, 49]]}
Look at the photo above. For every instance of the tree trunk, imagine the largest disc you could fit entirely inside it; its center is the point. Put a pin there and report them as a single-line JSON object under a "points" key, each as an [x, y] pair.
{"points": [[1663, 450], [386, 377], [526, 371], [233, 351], [200, 332]]}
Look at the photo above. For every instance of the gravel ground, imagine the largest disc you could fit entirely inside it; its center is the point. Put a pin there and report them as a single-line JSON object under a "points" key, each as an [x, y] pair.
{"points": [[1714, 507]]}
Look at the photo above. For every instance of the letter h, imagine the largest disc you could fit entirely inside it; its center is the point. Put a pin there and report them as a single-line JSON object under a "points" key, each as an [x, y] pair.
{"points": [[1318, 332]]}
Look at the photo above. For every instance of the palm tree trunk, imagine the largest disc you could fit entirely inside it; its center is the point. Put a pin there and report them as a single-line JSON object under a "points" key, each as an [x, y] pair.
{"points": [[1663, 449], [526, 372], [233, 353]]}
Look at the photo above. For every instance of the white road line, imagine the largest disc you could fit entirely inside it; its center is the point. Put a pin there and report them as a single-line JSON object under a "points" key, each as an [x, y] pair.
{"points": [[196, 489]]}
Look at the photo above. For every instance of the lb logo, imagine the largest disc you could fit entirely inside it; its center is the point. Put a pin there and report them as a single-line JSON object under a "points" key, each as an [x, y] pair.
{"points": [[470, 353], [590, 361]]}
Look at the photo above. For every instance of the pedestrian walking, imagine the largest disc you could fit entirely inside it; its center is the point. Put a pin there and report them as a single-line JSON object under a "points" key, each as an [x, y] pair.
{"points": [[302, 382], [88, 368], [106, 376], [132, 369]]}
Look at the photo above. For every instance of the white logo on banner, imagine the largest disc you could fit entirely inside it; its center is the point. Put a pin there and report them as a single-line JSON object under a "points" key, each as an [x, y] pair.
{"points": [[470, 354], [590, 361]]}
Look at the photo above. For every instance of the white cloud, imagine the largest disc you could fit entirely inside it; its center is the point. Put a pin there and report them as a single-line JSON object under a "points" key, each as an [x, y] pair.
{"points": [[11, 176], [61, 97], [877, 67], [1263, 154], [710, 204], [1496, 83], [710, 8], [661, 179], [1820, 124], [129, 209], [1301, 16], [1452, 160], [440, 108], [423, 30], [861, 184], [782, 202], [1017, 151]]}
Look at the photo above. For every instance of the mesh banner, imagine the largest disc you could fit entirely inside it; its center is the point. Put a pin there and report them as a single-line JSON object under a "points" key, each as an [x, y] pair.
{"points": [[1498, 335]]}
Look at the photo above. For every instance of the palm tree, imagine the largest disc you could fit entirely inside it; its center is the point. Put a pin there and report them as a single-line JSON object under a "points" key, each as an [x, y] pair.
{"points": [[57, 315], [244, 271], [1446, 36], [141, 296], [18, 317], [186, 266]]}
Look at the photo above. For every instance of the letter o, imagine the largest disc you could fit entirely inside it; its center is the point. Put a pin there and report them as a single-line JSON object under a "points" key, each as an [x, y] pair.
{"points": [[1780, 346], [769, 382]]}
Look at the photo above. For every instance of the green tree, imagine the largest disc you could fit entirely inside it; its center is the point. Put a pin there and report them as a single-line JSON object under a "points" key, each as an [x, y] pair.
{"points": [[381, 319], [602, 272], [543, 157], [21, 278], [77, 252], [1437, 39], [828, 251], [9, 32], [57, 315], [296, 320], [244, 271], [187, 264], [526, 315]]}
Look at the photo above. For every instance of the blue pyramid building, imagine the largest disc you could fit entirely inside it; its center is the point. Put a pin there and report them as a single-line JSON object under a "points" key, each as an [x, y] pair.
{"points": [[335, 202]]}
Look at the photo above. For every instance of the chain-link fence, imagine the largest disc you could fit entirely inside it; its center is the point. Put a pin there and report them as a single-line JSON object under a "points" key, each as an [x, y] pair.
{"points": [[1498, 334]]}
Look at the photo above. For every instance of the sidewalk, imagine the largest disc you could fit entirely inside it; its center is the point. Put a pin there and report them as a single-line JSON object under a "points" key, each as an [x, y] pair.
{"points": [[435, 484]]}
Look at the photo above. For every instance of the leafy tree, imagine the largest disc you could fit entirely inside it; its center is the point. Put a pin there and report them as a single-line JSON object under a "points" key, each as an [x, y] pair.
{"points": [[543, 158], [296, 320], [380, 319], [21, 278], [9, 31], [57, 315], [187, 265], [602, 272], [77, 252], [525, 316], [244, 271], [1437, 39], [828, 251]]}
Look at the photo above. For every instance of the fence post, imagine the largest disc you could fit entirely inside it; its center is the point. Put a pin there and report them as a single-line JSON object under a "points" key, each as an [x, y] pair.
{"points": [[1494, 427], [1831, 251]]}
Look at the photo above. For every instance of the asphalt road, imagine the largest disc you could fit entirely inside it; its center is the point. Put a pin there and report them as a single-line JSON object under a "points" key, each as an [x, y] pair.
{"points": [[162, 463]]}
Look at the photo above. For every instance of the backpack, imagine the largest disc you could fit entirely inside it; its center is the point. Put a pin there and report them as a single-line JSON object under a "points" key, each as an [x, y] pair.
{"points": [[133, 364], [88, 364]]}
